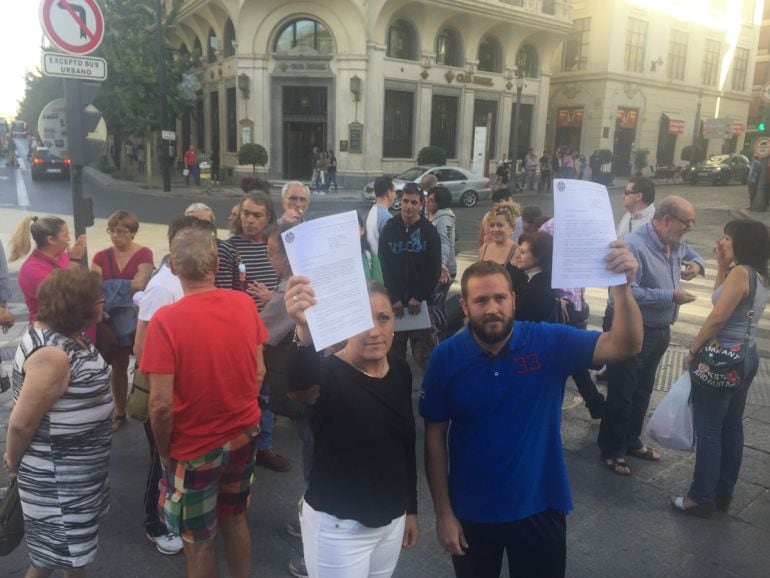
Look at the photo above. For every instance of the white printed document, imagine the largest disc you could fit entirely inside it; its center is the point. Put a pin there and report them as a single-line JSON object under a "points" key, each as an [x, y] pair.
{"points": [[583, 230], [328, 252]]}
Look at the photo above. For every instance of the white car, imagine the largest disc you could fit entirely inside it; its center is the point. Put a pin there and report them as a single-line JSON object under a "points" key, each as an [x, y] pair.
{"points": [[467, 189]]}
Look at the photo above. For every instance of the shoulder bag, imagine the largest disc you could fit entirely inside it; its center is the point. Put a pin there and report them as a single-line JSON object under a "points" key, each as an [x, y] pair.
{"points": [[724, 368], [11, 519]]}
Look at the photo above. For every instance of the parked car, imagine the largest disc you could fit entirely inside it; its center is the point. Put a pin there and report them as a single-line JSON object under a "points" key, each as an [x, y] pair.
{"points": [[467, 189], [47, 164], [721, 169]]}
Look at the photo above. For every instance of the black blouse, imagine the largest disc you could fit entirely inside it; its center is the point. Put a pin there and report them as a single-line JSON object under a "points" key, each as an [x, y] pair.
{"points": [[535, 299], [364, 465]]}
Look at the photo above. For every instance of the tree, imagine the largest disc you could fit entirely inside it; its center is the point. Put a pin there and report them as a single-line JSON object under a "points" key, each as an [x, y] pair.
{"points": [[38, 92], [432, 155], [252, 154], [640, 159]]}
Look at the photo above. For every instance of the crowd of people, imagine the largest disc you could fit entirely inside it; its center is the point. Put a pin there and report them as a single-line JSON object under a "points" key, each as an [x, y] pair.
{"points": [[220, 337]]}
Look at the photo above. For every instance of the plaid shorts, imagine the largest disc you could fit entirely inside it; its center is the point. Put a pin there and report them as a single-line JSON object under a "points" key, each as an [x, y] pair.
{"points": [[194, 493]]}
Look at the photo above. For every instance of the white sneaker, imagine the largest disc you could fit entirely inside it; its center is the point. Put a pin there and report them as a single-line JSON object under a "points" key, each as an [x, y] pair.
{"points": [[168, 544]]}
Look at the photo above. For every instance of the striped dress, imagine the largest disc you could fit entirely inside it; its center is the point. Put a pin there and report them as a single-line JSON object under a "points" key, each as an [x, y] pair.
{"points": [[63, 474]]}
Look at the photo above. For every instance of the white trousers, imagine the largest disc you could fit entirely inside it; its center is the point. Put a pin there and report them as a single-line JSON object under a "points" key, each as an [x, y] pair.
{"points": [[337, 548]]}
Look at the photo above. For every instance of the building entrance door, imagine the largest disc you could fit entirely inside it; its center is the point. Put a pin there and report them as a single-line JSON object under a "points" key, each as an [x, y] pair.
{"points": [[304, 127], [299, 138], [625, 135]]}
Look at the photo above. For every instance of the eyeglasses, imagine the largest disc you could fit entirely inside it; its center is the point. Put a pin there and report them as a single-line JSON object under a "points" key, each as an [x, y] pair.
{"points": [[296, 199], [629, 191], [689, 224], [118, 231]]}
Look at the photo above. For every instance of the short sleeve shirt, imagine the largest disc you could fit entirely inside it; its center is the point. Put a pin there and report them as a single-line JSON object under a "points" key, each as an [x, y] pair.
{"points": [[505, 451], [163, 289]]}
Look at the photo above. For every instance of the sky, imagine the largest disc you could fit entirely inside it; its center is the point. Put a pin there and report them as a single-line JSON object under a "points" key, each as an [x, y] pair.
{"points": [[19, 51]]}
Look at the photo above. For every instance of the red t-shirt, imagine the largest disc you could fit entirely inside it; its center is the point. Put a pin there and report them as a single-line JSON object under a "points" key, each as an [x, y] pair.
{"points": [[190, 158], [209, 342]]}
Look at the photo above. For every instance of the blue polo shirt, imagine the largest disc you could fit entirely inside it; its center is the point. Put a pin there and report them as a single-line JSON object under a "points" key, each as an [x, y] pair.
{"points": [[505, 455]]}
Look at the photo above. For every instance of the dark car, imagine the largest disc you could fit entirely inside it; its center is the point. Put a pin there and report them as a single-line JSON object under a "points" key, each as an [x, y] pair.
{"points": [[721, 169], [47, 164]]}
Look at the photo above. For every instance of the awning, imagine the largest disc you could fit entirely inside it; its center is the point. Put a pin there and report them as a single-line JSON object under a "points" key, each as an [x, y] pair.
{"points": [[675, 125]]}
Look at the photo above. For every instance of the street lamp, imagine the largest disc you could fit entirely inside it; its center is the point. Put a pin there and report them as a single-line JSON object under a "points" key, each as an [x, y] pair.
{"points": [[164, 161], [696, 127], [520, 84]]}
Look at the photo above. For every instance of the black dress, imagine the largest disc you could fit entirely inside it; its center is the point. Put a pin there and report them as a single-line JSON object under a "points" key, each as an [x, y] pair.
{"points": [[535, 299]]}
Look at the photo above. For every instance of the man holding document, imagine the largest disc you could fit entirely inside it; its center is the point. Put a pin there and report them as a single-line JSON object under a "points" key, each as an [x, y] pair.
{"points": [[410, 255], [500, 384]]}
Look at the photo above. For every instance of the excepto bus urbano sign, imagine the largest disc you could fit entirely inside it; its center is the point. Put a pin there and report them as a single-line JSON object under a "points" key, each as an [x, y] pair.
{"points": [[65, 66]]}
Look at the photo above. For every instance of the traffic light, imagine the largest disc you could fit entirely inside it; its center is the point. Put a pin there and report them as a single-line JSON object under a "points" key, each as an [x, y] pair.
{"points": [[761, 125], [82, 119], [762, 121]]}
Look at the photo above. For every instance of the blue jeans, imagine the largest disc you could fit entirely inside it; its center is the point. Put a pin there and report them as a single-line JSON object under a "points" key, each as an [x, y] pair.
{"points": [[265, 439], [718, 420]]}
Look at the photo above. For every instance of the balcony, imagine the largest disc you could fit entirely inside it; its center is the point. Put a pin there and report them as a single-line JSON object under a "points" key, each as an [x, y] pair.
{"points": [[561, 9]]}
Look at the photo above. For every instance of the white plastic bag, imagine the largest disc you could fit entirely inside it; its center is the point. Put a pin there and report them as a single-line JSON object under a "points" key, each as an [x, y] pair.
{"points": [[671, 424]]}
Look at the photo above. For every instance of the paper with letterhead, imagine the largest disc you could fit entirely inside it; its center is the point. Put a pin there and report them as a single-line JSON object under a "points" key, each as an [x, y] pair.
{"points": [[328, 252], [583, 230]]}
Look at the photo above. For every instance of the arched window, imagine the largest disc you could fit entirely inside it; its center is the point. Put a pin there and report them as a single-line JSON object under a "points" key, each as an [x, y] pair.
{"points": [[211, 47], [402, 41], [229, 39], [307, 33], [490, 55], [449, 49], [197, 51], [526, 61]]}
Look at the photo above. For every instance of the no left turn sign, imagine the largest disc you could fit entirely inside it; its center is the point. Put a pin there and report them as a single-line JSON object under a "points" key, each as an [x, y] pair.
{"points": [[74, 26]]}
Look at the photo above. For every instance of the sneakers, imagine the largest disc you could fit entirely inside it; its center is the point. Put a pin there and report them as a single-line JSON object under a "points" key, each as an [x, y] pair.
{"points": [[294, 529], [272, 461], [168, 544], [297, 567]]}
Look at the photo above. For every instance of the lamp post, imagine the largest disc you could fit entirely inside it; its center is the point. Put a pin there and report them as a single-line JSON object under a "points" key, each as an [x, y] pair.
{"points": [[515, 152], [696, 127], [164, 164]]}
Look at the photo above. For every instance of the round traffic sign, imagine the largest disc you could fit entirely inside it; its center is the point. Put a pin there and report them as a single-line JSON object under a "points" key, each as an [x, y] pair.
{"points": [[762, 147], [766, 92], [74, 26]]}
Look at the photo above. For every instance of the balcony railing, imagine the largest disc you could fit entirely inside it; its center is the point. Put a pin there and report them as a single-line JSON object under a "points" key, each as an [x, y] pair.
{"points": [[561, 9]]}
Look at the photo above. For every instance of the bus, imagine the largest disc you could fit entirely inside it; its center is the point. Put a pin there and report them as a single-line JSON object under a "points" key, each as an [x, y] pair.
{"points": [[19, 128]]}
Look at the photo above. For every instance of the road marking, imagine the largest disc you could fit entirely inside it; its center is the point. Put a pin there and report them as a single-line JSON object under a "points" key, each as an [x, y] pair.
{"points": [[22, 198], [22, 163], [3, 178]]}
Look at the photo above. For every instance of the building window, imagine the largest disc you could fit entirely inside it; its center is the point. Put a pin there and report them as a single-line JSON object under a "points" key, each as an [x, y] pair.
{"points": [[526, 61], [232, 122], [211, 47], [740, 66], [490, 55], [398, 125], [677, 55], [402, 41], [229, 39], [197, 52], [710, 62], [576, 45], [307, 33], [636, 42], [443, 124], [449, 50]]}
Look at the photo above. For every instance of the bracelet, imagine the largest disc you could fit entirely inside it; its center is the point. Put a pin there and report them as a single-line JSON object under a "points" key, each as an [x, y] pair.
{"points": [[296, 340]]}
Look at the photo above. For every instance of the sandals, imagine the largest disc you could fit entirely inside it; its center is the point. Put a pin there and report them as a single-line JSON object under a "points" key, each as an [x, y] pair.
{"points": [[617, 466], [118, 421], [696, 510], [644, 453]]}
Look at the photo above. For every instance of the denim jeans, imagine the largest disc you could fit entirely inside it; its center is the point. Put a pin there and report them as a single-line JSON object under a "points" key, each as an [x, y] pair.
{"points": [[628, 395], [265, 439], [718, 420]]}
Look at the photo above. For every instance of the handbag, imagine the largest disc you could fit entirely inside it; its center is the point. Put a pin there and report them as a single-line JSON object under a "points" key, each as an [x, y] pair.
{"points": [[724, 368], [671, 424], [139, 398], [11, 519], [185, 172]]}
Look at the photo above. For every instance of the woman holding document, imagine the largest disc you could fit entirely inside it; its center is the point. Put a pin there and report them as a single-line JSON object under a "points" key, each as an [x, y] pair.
{"points": [[360, 507]]}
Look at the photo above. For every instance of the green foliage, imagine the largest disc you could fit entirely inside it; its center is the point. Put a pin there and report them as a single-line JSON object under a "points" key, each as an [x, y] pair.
{"points": [[693, 154], [640, 159], [605, 155], [130, 97], [252, 154], [38, 92], [432, 155]]}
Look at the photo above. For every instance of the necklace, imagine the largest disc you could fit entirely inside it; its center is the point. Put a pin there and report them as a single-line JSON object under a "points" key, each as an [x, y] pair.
{"points": [[381, 372]]}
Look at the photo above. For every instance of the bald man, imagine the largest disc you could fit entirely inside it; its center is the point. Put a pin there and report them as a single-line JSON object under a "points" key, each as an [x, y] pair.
{"points": [[664, 259]]}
